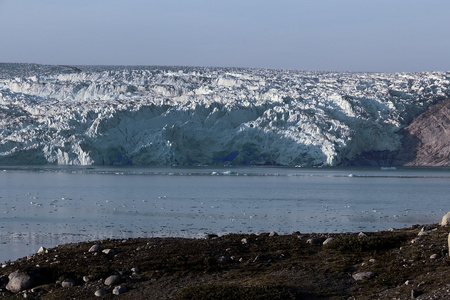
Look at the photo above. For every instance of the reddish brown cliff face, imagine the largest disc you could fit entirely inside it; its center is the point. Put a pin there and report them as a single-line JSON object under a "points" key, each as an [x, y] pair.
{"points": [[429, 134]]}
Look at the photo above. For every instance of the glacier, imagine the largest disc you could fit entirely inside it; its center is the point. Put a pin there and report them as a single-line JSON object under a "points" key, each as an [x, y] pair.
{"points": [[196, 116]]}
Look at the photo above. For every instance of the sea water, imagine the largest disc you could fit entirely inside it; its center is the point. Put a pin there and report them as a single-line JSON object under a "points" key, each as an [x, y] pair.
{"points": [[47, 206]]}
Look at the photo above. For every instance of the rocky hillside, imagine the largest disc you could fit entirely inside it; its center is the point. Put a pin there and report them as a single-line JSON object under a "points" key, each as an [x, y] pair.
{"points": [[430, 136]]}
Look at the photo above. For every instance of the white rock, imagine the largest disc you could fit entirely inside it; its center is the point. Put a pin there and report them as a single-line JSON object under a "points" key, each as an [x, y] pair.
{"points": [[42, 250], [95, 248], [273, 233], [19, 281], [445, 219], [328, 240], [28, 295], [108, 251], [119, 290], [100, 293]]}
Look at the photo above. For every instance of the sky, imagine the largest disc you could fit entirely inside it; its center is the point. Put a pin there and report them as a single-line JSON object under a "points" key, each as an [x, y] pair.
{"points": [[323, 35]]}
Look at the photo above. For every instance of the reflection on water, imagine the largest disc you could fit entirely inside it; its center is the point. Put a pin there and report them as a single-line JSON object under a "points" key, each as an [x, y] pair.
{"points": [[46, 206]]}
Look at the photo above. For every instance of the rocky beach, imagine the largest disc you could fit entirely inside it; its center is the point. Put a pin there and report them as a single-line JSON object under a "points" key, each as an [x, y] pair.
{"points": [[409, 263]]}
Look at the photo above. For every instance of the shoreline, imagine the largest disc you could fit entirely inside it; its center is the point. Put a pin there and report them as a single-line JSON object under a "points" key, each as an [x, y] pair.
{"points": [[396, 263]]}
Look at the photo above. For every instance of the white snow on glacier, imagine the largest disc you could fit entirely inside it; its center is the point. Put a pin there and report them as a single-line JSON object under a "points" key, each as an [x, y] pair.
{"points": [[204, 116]]}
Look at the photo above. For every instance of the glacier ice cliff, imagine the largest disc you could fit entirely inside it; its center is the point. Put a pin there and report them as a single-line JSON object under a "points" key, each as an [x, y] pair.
{"points": [[166, 116]]}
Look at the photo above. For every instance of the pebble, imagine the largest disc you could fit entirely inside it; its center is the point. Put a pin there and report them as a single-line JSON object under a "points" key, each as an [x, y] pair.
{"points": [[273, 233], [135, 271], [119, 290], [363, 275], [222, 260], [100, 293], [68, 283], [95, 248], [328, 240], [362, 235], [315, 240], [42, 250], [434, 256], [244, 241], [108, 251], [113, 280], [28, 295]]}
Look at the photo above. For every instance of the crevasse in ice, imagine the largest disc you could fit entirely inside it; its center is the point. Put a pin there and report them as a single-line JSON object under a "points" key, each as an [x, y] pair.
{"points": [[169, 116]]}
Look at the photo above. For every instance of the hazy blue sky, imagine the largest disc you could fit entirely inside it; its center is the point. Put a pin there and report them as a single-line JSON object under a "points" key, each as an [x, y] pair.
{"points": [[353, 35]]}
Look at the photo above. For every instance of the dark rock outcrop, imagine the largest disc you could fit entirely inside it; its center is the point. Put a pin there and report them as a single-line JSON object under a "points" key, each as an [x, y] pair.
{"points": [[428, 135]]}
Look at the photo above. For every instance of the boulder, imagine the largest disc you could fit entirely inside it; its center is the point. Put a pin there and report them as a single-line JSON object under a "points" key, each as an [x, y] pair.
{"points": [[19, 281], [446, 219]]}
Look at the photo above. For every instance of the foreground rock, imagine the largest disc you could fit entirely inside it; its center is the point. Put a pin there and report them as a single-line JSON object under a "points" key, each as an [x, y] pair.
{"points": [[380, 265], [19, 281], [446, 219]]}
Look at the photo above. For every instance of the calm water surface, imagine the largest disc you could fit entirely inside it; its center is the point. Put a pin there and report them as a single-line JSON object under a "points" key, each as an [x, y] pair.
{"points": [[47, 206]]}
